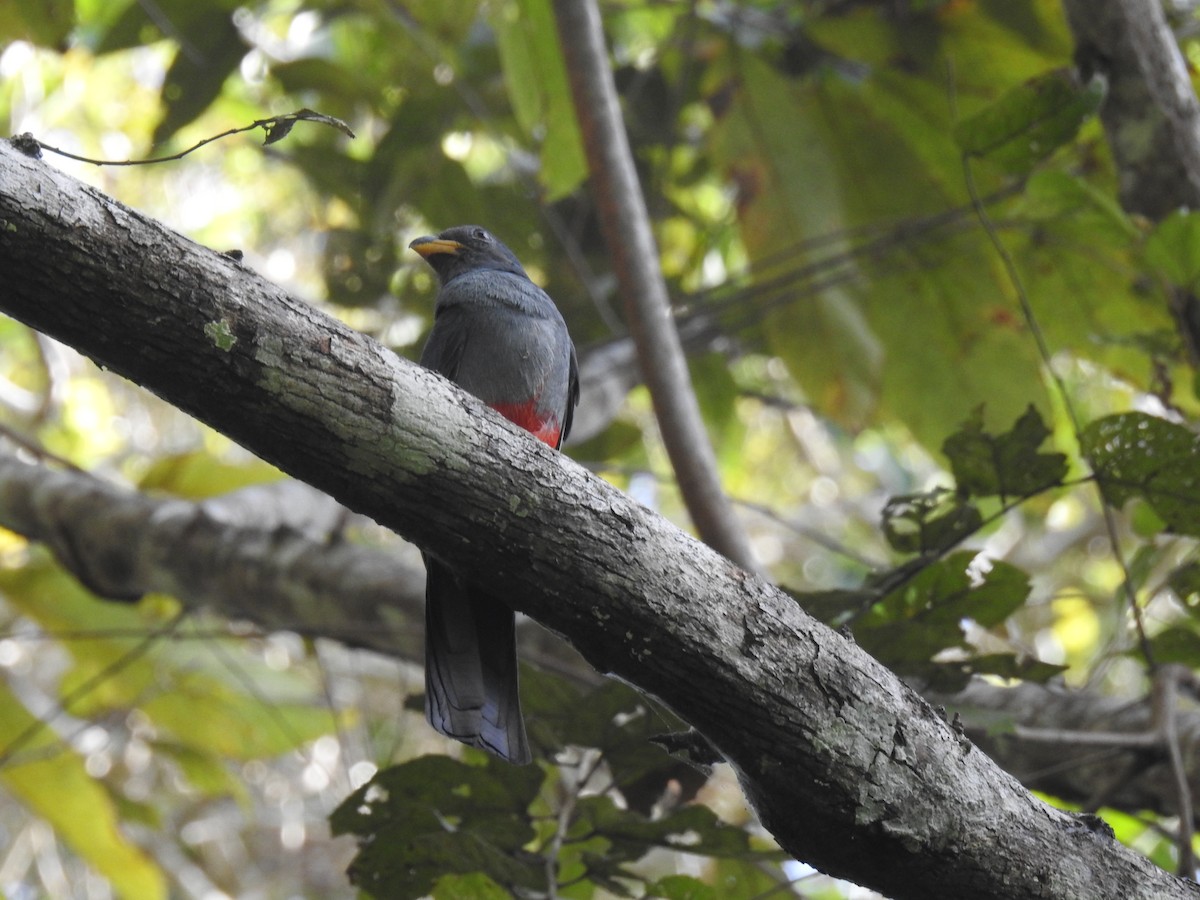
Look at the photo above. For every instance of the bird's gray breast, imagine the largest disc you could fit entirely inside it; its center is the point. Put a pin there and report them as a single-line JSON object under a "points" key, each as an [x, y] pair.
{"points": [[509, 341]]}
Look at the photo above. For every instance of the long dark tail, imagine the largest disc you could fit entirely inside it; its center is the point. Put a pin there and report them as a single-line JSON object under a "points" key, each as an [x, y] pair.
{"points": [[471, 667]]}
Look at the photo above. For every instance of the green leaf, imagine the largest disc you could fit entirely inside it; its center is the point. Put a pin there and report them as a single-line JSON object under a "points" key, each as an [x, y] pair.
{"points": [[1031, 121], [198, 476], [475, 886], [951, 677], [1051, 194], [739, 879], [887, 324], [717, 393], [929, 522], [329, 77], [196, 694], [613, 718], [47, 23], [835, 606], [538, 89], [690, 829], [1184, 580], [205, 772], [1177, 644], [1138, 455], [129, 25], [55, 786], [434, 816], [681, 887], [919, 619], [1173, 248], [215, 713], [1006, 465], [621, 442], [1011, 665]]}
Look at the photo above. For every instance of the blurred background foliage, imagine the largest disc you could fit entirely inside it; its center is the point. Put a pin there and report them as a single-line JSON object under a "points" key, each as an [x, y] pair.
{"points": [[904, 456]]}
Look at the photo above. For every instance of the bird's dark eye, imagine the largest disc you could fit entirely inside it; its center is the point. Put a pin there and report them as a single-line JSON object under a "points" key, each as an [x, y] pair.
{"points": [[481, 235]]}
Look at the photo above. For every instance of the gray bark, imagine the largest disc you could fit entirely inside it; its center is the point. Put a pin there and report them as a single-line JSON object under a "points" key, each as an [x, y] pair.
{"points": [[848, 768], [273, 555], [1150, 116]]}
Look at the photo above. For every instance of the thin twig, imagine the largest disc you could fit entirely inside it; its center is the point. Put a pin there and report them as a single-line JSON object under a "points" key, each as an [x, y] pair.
{"points": [[276, 127], [563, 819], [1166, 695]]}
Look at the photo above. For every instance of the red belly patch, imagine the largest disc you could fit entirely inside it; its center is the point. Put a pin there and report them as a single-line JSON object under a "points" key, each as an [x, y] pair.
{"points": [[526, 416]]}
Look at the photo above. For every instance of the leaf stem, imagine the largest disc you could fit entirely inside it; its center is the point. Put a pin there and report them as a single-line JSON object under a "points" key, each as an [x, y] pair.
{"points": [[1039, 337]]}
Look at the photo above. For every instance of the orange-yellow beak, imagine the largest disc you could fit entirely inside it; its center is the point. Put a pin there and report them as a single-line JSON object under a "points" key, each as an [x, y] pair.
{"points": [[432, 246]]}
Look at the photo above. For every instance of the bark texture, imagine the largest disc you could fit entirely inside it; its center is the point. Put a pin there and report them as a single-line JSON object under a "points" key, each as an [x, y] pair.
{"points": [[848, 768], [272, 555], [1090, 750], [123, 544], [1151, 115]]}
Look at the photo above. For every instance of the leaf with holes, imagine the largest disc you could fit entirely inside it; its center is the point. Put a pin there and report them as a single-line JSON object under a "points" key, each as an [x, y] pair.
{"points": [[1135, 455], [435, 816]]}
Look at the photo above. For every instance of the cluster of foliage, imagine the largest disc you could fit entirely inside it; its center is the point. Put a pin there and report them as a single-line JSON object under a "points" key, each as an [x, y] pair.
{"points": [[580, 822], [892, 234]]}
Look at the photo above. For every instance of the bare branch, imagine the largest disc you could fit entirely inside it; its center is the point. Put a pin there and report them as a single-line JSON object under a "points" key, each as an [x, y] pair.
{"points": [[626, 225], [276, 128]]}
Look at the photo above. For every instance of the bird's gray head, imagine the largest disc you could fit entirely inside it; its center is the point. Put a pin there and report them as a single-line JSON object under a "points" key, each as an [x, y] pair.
{"points": [[466, 248]]}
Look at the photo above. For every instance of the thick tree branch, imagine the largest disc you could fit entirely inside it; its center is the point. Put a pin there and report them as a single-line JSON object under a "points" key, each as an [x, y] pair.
{"points": [[1091, 750], [626, 225], [849, 769], [270, 555], [1151, 115], [122, 545]]}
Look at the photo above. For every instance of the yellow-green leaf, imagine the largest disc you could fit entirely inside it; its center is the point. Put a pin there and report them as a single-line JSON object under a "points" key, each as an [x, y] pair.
{"points": [[54, 785], [539, 91]]}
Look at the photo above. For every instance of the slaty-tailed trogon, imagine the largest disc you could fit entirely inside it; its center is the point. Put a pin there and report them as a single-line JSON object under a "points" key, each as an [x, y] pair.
{"points": [[500, 337]]}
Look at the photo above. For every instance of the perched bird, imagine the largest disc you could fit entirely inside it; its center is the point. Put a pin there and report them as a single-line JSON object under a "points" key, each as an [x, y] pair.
{"points": [[499, 336]]}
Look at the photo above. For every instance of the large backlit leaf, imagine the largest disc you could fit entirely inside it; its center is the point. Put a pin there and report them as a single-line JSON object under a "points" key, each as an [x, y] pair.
{"points": [[198, 476], [196, 689], [538, 89], [919, 324]]}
